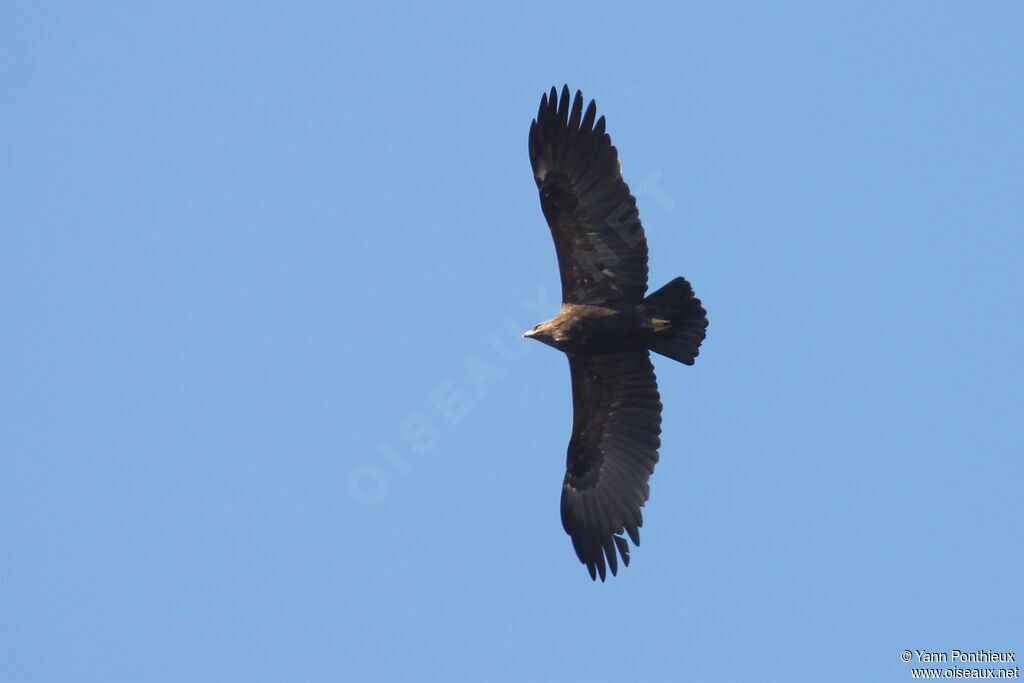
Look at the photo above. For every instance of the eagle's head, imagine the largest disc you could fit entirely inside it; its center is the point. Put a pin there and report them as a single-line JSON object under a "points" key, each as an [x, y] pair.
{"points": [[550, 332]]}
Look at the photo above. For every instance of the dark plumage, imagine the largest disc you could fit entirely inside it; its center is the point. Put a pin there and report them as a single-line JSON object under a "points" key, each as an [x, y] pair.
{"points": [[606, 327]]}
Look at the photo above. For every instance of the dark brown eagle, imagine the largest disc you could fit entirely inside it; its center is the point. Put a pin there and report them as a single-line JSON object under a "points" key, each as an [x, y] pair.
{"points": [[607, 328]]}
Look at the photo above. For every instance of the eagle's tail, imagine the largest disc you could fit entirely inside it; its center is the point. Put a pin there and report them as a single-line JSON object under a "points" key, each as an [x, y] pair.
{"points": [[679, 321]]}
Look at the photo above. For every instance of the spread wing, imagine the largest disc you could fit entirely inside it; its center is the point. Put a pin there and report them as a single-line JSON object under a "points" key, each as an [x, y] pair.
{"points": [[612, 452], [602, 252]]}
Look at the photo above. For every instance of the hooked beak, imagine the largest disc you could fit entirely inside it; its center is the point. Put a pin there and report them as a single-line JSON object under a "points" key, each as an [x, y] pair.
{"points": [[529, 333]]}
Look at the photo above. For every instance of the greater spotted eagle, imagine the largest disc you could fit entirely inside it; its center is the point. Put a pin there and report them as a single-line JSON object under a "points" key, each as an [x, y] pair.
{"points": [[607, 328]]}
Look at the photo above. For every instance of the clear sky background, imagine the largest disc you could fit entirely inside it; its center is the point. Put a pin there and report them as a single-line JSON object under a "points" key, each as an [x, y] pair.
{"points": [[267, 416]]}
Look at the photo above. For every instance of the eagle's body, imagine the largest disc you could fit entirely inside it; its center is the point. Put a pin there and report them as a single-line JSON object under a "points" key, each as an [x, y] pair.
{"points": [[607, 326], [591, 329]]}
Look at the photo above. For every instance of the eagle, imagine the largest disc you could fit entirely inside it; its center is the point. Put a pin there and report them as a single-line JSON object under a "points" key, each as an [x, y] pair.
{"points": [[607, 325]]}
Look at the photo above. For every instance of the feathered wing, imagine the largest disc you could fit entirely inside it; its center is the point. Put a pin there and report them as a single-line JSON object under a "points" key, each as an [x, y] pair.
{"points": [[612, 453], [602, 251]]}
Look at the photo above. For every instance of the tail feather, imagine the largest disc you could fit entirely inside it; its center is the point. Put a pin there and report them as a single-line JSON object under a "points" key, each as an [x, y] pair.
{"points": [[678, 319]]}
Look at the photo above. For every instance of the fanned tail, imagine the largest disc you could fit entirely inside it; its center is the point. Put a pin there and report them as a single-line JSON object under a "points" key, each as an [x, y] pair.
{"points": [[679, 321]]}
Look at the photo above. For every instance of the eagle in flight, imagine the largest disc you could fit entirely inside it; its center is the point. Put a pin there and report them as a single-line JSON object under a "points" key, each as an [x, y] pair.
{"points": [[606, 326]]}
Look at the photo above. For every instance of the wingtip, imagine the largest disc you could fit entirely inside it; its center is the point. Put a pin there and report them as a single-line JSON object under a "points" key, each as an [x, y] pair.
{"points": [[623, 547], [606, 559], [611, 555], [588, 117], [577, 111], [562, 113], [569, 108]]}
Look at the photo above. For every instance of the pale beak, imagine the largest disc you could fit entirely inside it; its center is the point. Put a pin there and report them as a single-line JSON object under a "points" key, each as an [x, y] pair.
{"points": [[529, 333]]}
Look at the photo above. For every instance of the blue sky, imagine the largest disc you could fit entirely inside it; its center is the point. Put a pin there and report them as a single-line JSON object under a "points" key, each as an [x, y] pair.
{"points": [[266, 414]]}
